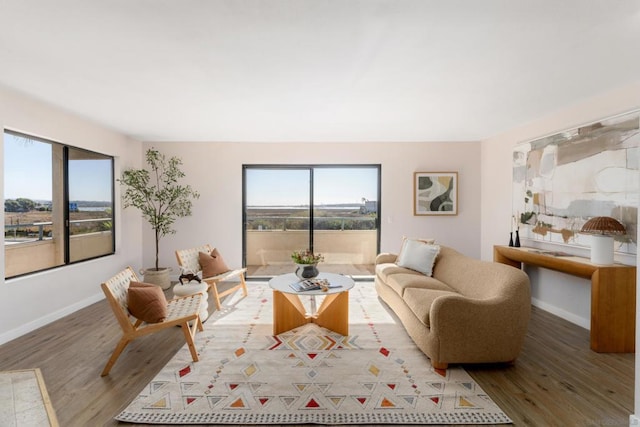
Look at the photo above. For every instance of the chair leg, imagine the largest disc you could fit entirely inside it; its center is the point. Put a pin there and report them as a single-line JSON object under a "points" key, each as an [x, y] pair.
{"points": [[189, 337], [244, 285], [124, 341], [216, 296]]}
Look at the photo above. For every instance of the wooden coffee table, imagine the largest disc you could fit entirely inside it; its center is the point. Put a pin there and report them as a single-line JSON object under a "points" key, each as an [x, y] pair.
{"points": [[289, 312]]}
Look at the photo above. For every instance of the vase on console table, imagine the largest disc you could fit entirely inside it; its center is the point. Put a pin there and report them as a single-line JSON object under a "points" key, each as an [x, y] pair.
{"points": [[511, 238], [306, 271], [517, 242]]}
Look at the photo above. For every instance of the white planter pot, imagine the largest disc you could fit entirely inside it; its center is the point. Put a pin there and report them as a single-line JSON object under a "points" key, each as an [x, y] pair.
{"points": [[158, 277]]}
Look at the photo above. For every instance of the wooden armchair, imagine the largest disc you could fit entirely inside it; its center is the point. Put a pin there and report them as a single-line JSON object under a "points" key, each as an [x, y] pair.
{"points": [[188, 260], [181, 312]]}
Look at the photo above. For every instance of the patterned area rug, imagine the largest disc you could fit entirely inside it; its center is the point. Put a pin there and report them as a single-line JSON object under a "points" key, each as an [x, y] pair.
{"points": [[246, 375]]}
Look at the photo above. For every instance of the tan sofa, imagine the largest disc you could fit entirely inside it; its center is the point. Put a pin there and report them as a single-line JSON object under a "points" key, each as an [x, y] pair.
{"points": [[469, 311]]}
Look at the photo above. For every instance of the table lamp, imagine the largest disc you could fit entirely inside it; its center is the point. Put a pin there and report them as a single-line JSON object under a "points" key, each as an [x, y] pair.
{"points": [[602, 228]]}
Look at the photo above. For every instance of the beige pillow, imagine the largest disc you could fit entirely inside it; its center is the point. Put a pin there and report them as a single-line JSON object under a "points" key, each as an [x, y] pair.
{"points": [[212, 264], [146, 302]]}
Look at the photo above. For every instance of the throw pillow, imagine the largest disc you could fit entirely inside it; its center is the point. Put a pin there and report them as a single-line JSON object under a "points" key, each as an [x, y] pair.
{"points": [[418, 256], [212, 264], [146, 302], [405, 238]]}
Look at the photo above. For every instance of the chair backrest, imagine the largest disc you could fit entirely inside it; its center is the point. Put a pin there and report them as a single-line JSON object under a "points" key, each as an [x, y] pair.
{"points": [[115, 289], [188, 258]]}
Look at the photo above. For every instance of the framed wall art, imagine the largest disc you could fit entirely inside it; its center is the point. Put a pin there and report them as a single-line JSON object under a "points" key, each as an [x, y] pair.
{"points": [[562, 180], [435, 193]]}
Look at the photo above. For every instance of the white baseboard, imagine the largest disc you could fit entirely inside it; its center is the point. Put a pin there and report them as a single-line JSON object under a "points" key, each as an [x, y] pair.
{"points": [[45, 320], [571, 317], [634, 421]]}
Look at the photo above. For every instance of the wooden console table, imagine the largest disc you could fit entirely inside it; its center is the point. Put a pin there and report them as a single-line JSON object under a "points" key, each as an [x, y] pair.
{"points": [[613, 293]]}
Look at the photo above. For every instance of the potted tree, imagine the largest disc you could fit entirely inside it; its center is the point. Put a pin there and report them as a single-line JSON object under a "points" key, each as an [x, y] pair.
{"points": [[161, 199]]}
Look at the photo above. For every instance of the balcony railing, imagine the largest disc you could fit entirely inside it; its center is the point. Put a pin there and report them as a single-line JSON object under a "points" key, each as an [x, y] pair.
{"points": [[35, 250], [319, 223], [348, 243], [346, 250], [31, 236]]}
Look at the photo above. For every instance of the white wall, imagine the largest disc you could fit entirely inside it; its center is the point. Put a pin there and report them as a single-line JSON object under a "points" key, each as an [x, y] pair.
{"points": [[561, 294], [32, 301], [558, 293], [215, 170]]}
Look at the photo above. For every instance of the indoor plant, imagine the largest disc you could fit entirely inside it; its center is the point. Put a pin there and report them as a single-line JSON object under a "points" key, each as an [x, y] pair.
{"points": [[161, 200], [306, 262]]}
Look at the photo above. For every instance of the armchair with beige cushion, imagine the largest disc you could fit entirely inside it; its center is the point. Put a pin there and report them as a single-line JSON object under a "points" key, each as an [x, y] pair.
{"points": [[457, 309], [214, 270]]}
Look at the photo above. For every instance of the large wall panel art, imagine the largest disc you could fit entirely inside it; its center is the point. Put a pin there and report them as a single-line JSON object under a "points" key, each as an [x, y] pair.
{"points": [[562, 180]]}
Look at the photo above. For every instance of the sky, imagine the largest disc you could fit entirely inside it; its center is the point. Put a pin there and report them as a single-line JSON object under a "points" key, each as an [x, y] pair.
{"points": [[90, 180], [287, 187], [27, 173], [27, 168]]}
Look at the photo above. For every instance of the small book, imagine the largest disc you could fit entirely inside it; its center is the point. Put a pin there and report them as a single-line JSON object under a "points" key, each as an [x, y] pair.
{"points": [[310, 285]]}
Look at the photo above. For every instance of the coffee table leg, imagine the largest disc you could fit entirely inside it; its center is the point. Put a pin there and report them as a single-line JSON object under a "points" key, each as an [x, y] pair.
{"points": [[333, 313], [288, 312]]}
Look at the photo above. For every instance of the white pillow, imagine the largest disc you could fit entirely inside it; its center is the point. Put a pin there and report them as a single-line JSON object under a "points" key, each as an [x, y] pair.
{"points": [[419, 239], [418, 256]]}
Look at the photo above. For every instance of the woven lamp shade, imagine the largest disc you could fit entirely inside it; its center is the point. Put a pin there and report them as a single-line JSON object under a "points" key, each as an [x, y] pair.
{"points": [[603, 225]]}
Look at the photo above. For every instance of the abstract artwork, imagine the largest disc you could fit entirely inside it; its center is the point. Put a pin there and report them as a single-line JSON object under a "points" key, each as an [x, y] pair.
{"points": [[435, 193], [562, 180]]}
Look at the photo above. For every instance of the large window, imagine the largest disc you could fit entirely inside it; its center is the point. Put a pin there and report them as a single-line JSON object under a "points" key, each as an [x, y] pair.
{"points": [[58, 204], [331, 209]]}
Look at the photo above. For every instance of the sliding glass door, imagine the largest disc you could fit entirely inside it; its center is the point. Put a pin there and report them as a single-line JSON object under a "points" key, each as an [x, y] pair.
{"points": [[330, 209], [277, 217]]}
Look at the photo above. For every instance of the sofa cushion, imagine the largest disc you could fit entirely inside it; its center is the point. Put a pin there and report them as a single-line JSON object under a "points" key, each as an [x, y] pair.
{"points": [[420, 301], [418, 255], [399, 282], [471, 277], [384, 271]]}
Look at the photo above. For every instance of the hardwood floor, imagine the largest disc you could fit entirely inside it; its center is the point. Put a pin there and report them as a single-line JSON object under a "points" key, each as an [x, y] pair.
{"points": [[557, 380]]}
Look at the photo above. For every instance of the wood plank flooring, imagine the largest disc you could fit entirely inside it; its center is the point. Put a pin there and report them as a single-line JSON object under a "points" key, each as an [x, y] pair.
{"points": [[557, 380]]}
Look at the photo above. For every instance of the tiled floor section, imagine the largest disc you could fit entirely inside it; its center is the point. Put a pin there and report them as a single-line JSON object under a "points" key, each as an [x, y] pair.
{"points": [[24, 401]]}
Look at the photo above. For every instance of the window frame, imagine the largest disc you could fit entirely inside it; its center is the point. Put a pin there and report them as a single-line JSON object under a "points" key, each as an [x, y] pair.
{"points": [[310, 168], [64, 184]]}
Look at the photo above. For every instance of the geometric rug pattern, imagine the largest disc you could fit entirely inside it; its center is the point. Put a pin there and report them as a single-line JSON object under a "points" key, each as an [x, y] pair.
{"points": [[246, 375]]}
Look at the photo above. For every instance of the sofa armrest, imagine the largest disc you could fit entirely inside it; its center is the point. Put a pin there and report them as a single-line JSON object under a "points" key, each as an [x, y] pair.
{"points": [[492, 326], [386, 258]]}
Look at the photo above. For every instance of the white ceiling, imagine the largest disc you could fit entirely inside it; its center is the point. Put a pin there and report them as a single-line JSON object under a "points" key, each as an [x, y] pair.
{"points": [[317, 70]]}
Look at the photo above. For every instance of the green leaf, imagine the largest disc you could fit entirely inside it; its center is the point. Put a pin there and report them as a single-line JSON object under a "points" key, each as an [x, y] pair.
{"points": [[157, 194]]}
